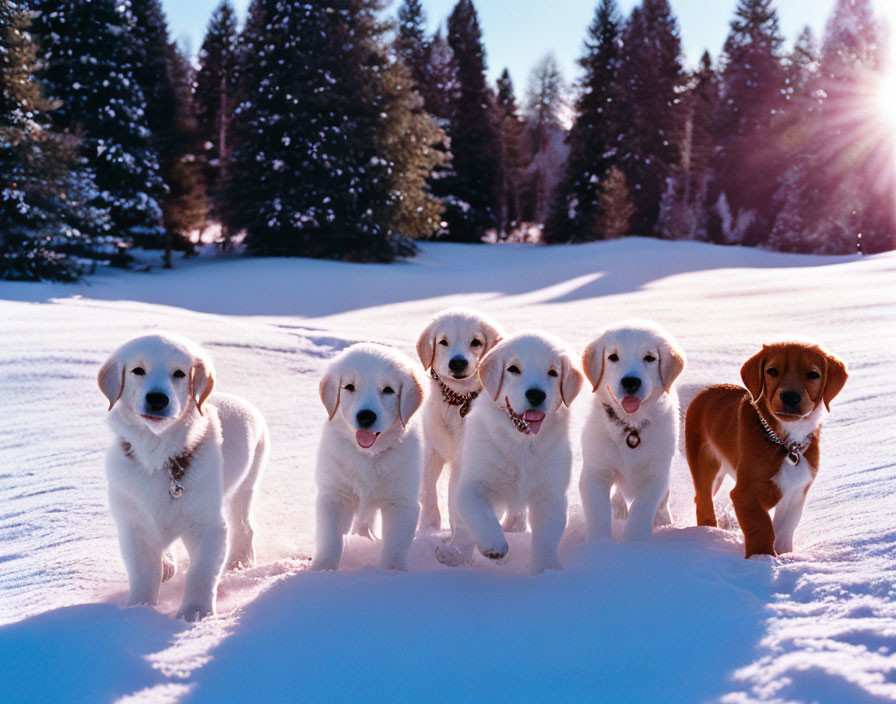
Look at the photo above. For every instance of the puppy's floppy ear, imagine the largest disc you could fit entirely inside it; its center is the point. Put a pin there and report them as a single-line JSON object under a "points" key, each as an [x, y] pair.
{"points": [[410, 396], [835, 378], [330, 388], [493, 334], [593, 362], [570, 380], [672, 361], [426, 345], [111, 379], [753, 374], [202, 380], [491, 372]]}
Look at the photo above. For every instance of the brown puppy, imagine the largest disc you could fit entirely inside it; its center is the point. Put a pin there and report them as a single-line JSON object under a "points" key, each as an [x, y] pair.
{"points": [[766, 436]]}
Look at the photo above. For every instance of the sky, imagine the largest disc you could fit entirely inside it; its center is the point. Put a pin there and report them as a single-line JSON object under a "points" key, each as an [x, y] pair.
{"points": [[518, 33]]}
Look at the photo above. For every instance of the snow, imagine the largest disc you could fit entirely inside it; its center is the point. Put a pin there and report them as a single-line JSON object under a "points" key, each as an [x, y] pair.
{"points": [[684, 618]]}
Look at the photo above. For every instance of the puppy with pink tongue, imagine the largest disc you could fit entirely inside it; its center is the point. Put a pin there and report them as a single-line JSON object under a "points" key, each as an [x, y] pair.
{"points": [[516, 453], [631, 433], [370, 456]]}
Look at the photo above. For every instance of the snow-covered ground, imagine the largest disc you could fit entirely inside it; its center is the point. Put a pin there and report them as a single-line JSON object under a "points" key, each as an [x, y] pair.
{"points": [[682, 619]]}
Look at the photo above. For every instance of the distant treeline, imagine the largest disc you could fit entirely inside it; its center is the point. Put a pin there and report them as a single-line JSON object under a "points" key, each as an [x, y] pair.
{"points": [[333, 130]]}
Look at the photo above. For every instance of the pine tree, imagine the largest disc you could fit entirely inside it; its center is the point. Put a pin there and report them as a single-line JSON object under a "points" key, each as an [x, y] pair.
{"points": [[547, 151], [215, 100], [575, 212], [836, 195], [162, 75], [86, 67], [510, 128], [317, 169], [684, 211], [650, 76], [470, 190], [45, 210], [753, 90]]}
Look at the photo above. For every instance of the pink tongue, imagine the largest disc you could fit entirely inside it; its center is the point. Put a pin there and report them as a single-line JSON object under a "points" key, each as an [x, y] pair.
{"points": [[631, 404], [365, 438], [534, 419]]}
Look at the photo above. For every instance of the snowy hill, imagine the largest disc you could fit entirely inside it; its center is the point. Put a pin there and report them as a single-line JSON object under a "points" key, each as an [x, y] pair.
{"points": [[683, 619]]}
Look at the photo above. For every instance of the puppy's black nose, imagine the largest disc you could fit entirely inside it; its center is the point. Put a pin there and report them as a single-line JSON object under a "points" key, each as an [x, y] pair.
{"points": [[791, 398], [631, 384], [366, 418], [535, 396], [457, 364], [156, 400]]}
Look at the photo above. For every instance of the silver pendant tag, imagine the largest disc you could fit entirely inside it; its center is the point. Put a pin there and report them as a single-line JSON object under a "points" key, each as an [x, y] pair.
{"points": [[793, 457], [175, 489], [633, 439]]}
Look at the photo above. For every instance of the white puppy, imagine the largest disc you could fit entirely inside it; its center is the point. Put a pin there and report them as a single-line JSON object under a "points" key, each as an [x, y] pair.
{"points": [[183, 465], [450, 347], [516, 452], [369, 458], [632, 431]]}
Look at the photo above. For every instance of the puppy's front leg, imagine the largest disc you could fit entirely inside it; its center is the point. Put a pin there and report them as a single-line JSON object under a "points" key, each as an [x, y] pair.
{"points": [[476, 511], [548, 518], [334, 516], [430, 517], [207, 547], [399, 522], [594, 487], [643, 510], [144, 566]]}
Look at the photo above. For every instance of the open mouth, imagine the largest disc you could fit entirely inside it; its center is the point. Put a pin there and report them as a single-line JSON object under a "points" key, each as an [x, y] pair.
{"points": [[366, 438], [630, 404], [459, 377], [155, 419]]}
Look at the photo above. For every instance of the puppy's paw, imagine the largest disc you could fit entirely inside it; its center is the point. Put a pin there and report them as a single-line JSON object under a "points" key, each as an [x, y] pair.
{"points": [[194, 612], [450, 556], [497, 552], [169, 566], [324, 564], [514, 522], [540, 567]]}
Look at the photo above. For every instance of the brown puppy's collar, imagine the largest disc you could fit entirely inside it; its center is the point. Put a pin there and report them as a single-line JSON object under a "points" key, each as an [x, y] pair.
{"points": [[175, 466], [452, 398], [794, 450]]}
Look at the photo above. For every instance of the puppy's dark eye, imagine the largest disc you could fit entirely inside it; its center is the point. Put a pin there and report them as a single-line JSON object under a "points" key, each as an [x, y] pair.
{"points": [[649, 358], [443, 342], [552, 372], [813, 375], [178, 374], [349, 387], [613, 357], [388, 390], [771, 371], [513, 369], [475, 343], [139, 371]]}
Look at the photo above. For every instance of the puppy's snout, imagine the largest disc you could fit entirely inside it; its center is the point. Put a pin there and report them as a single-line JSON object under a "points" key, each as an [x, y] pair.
{"points": [[631, 384], [458, 364], [535, 396], [156, 401], [791, 398], [366, 418]]}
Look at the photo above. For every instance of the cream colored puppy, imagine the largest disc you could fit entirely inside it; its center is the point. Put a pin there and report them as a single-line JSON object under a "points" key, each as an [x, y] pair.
{"points": [[450, 348], [369, 456], [183, 465], [516, 452], [632, 431]]}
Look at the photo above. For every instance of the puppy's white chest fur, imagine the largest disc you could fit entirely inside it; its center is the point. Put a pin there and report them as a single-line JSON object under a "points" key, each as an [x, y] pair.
{"points": [[792, 479]]}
